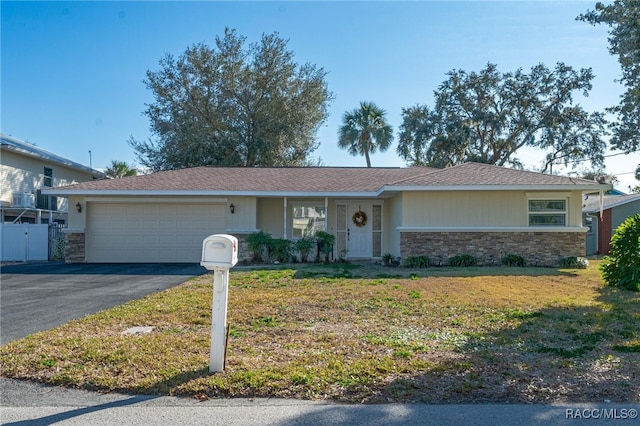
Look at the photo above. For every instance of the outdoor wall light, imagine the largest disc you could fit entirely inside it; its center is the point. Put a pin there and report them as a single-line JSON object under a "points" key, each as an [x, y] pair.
{"points": [[232, 208], [79, 207]]}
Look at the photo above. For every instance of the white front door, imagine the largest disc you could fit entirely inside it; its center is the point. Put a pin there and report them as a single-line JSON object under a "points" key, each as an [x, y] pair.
{"points": [[359, 235]]}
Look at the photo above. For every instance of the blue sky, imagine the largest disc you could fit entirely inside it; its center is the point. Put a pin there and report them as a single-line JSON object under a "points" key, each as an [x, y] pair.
{"points": [[72, 72]]}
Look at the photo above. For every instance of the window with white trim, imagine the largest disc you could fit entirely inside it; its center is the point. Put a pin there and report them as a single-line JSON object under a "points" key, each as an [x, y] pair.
{"points": [[48, 177], [548, 212], [307, 220]]}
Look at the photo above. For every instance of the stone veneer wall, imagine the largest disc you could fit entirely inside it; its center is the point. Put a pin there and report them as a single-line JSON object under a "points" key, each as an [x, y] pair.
{"points": [[244, 254], [74, 247], [538, 248]]}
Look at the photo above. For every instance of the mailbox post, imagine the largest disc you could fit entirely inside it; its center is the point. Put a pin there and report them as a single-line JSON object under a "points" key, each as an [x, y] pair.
{"points": [[219, 254]]}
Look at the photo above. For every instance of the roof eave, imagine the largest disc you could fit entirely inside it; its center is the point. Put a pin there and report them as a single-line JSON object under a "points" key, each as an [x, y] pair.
{"points": [[548, 187], [596, 209], [321, 194], [207, 193], [51, 159]]}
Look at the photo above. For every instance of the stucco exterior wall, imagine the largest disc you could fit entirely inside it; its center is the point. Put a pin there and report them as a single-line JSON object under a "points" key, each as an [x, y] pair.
{"points": [[464, 208], [479, 208], [270, 216], [244, 217], [575, 209], [77, 220], [19, 173]]}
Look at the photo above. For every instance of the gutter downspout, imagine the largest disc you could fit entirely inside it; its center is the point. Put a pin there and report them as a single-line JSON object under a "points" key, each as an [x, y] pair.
{"points": [[601, 205]]}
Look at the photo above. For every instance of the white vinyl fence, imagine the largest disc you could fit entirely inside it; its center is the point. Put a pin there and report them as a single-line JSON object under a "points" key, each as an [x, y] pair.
{"points": [[22, 242]]}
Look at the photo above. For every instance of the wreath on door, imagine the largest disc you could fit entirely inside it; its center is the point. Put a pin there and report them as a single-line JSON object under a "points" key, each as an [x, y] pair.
{"points": [[359, 218]]}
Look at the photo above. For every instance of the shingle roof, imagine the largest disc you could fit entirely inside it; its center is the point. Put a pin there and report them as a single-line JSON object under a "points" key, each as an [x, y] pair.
{"points": [[285, 179], [592, 203], [477, 174], [326, 180]]}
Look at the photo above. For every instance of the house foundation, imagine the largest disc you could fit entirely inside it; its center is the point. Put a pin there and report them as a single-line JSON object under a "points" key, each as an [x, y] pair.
{"points": [[538, 248]]}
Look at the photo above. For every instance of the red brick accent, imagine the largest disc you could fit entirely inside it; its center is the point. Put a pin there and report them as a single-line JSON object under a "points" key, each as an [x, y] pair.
{"points": [[538, 248]]}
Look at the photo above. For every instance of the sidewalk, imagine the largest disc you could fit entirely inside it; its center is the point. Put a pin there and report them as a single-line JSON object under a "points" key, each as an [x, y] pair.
{"points": [[25, 403]]}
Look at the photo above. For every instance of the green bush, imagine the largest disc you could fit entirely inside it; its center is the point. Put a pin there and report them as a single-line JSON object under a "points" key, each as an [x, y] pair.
{"points": [[279, 249], [257, 243], [574, 262], [389, 259], [514, 260], [325, 242], [422, 261], [463, 260], [622, 267], [304, 246]]}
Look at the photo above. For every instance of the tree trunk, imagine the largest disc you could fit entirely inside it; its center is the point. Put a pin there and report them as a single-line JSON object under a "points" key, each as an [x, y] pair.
{"points": [[366, 156]]}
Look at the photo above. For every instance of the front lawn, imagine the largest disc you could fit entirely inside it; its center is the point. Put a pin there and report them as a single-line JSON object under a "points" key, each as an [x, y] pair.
{"points": [[358, 333]]}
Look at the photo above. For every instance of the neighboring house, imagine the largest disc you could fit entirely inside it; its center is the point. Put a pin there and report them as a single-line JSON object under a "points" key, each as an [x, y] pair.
{"points": [[487, 211], [25, 171], [615, 210]]}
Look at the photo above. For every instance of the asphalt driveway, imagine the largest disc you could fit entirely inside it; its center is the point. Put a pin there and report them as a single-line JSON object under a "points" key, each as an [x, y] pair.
{"points": [[40, 296]]}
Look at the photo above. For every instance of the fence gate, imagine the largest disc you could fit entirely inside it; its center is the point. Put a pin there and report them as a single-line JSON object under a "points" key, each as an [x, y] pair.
{"points": [[22, 242], [56, 241]]}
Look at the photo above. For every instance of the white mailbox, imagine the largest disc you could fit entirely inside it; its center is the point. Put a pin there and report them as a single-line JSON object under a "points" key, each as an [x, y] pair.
{"points": [[219, 251]]}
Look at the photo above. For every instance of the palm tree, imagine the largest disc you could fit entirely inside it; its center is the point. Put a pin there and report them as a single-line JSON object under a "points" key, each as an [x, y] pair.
{"points": [[119, 169], [365, 130]]}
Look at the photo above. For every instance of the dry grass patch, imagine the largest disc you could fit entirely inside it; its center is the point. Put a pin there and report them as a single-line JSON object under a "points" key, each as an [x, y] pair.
{"points": [[360, 334]]}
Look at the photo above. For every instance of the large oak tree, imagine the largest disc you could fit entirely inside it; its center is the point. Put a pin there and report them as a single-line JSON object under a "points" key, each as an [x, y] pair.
{"points": [[623, 18], [233, 105], [488, 116]]}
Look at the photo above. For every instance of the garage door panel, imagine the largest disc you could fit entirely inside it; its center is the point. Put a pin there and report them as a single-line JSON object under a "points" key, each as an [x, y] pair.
{"points": [[150, 232]]}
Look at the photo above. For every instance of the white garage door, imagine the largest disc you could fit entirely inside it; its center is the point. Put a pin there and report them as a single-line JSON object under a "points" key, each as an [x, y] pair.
{"points": [[150, 232]]}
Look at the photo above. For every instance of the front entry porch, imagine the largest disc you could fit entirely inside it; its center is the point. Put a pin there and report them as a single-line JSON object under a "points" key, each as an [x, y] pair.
{"points": [[359, 230], [357, 225]]}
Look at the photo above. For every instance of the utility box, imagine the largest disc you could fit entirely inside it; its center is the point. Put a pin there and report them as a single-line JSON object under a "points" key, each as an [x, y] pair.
{"points": [[219, 251], [23, 200]]}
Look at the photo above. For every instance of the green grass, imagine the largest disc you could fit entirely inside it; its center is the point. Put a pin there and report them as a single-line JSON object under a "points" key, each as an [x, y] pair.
{"points": [[360, 334]]}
